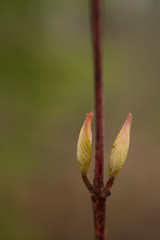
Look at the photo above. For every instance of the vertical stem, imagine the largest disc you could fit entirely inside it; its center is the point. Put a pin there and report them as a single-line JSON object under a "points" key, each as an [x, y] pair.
{"points": [[97, 25], [98, 201], [99, 218]]}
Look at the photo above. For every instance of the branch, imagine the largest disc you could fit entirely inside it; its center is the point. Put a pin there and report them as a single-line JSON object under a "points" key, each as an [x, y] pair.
{"points": [[87, 183], [99, 145], [108, 186]]}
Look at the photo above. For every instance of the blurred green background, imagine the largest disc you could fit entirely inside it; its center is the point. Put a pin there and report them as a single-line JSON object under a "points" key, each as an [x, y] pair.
{"points": [[46, 88]]}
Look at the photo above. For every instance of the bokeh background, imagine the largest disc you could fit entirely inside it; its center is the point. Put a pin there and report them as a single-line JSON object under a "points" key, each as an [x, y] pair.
{"points": [[46, 88]]}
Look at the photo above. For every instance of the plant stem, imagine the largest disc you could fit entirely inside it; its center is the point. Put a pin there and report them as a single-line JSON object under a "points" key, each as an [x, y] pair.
{"points": [[99, 217], [98, 201], [96, 18]]}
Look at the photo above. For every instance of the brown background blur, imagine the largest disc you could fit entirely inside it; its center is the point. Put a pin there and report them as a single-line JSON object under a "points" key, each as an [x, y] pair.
{"points": [[46, 88]]}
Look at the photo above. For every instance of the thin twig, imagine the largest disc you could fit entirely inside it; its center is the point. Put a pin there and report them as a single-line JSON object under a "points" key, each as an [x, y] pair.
{"points": [[107, 188], [98, 202], [97, 45], [87, 183]]}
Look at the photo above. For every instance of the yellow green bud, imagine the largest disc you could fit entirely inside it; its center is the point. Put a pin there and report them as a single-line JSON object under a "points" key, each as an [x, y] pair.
{"points": [[120, 149], [84, 145]]}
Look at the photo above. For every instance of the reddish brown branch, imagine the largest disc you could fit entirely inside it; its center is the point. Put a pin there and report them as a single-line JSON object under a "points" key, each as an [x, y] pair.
{"points": [[108, 186], [99, 217], [98, 200], [87, 183], [97, 25]]}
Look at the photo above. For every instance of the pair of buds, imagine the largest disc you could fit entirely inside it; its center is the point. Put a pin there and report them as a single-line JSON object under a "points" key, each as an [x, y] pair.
{"points": [[118, 152]]}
